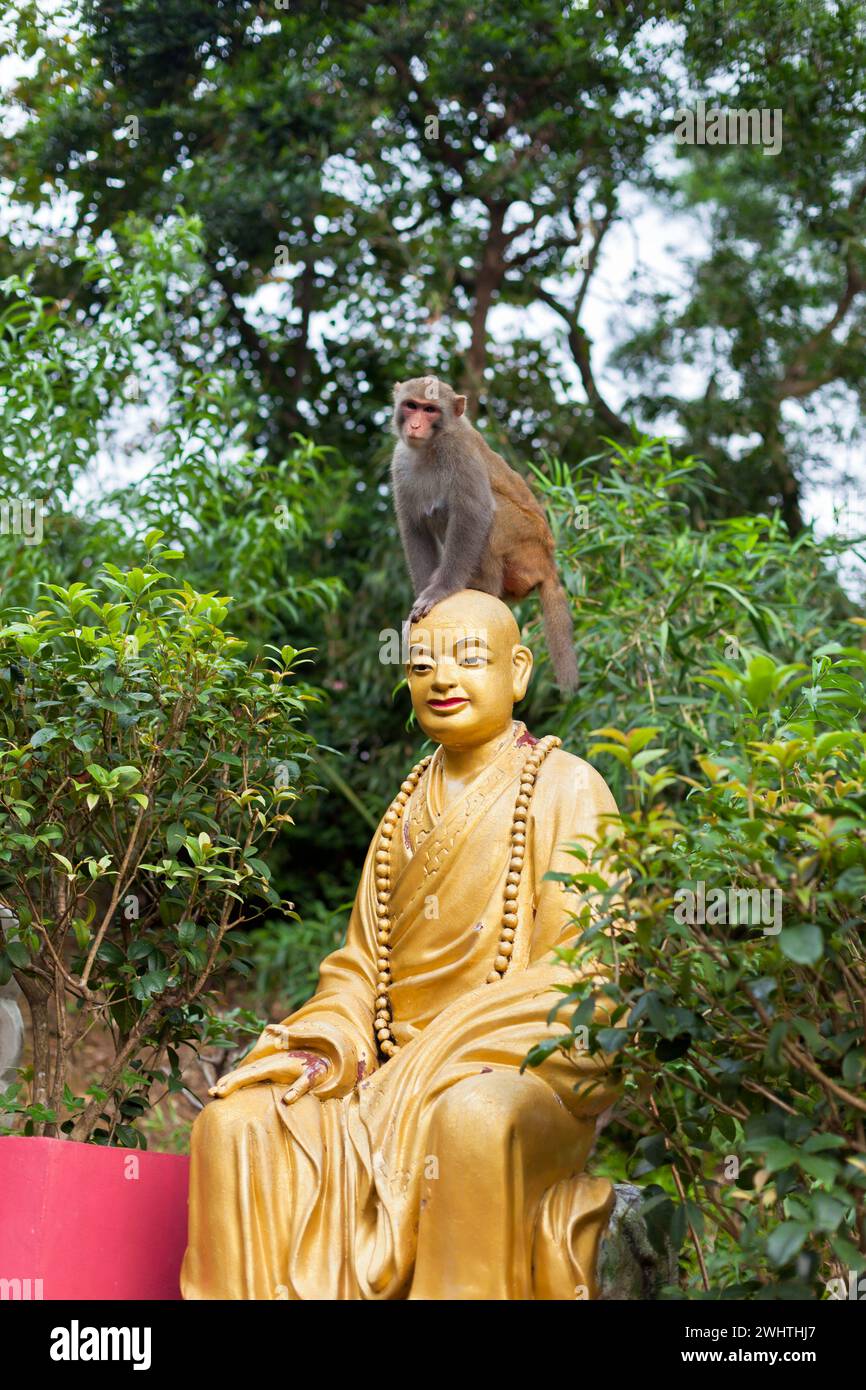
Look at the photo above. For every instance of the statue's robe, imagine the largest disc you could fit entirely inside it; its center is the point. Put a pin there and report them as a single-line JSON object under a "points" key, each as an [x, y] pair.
{"points": [[443, 1173]]}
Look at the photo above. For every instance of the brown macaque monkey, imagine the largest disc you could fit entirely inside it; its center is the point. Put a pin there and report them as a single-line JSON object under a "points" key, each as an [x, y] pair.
{"points": [[467, 520]]}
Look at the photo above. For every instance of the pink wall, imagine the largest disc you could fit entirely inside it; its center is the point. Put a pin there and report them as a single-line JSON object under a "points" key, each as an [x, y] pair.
{"points": [[90, 1222]]}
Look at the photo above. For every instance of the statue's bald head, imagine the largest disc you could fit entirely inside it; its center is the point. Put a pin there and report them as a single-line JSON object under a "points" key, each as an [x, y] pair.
{"points": [[466, 668], [472, 610]]}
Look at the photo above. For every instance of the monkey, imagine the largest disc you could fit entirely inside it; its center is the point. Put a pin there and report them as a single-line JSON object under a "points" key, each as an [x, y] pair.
{"points": [[467, 520]]}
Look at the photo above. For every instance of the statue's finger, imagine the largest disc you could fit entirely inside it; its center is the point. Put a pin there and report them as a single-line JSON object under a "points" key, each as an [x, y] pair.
{"points": [[228, 1084], [300, 1088], [279, 1067], [232, 1081]]}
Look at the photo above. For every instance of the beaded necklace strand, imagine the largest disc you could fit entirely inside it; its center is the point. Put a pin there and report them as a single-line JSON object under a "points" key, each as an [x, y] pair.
{"points": [[528, 775]]}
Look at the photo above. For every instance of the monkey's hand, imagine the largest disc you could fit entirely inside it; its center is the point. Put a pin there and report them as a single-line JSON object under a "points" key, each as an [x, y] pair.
{"points": [[428, 598]]}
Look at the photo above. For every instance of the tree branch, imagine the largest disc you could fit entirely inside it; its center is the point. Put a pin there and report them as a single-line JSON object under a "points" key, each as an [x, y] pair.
{"points": [[256, 347], [580, 351], [797, 382]]}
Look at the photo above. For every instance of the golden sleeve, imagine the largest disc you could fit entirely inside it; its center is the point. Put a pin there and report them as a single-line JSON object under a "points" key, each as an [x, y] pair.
{"points": [[337, 1022], [571, 805]]}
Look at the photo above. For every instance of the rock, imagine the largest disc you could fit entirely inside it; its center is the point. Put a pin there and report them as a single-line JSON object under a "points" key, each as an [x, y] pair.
{"points": [[11, 1033], [629, 1266]]}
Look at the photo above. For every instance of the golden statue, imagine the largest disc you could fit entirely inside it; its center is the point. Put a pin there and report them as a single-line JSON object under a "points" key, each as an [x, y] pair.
{"points": [[382, 1142]]}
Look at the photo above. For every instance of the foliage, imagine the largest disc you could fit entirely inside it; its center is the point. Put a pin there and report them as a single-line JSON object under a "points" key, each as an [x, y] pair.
{"points": [[660, 590], [287, 953], [727, 688], [384, 188], [78, 394], [146, 767]]}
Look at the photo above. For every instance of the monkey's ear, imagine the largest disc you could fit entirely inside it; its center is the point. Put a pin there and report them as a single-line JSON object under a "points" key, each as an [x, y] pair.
{"points": [[398, 387], [459, 405]]}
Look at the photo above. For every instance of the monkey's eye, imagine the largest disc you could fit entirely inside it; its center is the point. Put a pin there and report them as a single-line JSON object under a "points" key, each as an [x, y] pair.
{"points": [[432, 409]]}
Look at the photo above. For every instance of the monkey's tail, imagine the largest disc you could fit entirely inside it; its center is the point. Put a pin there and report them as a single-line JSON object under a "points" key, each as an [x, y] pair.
{"points": [[560, 633]]}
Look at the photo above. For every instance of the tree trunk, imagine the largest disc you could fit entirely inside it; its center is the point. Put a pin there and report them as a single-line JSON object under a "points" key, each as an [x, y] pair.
{"points": [[37, 995], [488, 281], [786, 482]]}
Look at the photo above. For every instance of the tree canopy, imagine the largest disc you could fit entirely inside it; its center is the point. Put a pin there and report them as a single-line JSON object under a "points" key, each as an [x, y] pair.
{"points": [[387, 187]]}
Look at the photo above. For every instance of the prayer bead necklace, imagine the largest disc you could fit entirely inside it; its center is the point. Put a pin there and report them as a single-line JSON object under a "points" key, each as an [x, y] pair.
{"points": [[529, 772]]}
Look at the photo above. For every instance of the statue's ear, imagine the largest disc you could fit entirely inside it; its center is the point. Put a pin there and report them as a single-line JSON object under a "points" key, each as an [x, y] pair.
{"points": [[521, 660], [459, 405]]}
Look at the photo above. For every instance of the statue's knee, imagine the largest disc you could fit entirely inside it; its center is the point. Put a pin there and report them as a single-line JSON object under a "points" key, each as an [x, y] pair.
{"points": [[243, 1109], [211, 1121], [481, 1107]]}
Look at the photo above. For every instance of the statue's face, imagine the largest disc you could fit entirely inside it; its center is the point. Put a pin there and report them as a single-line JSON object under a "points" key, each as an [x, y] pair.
{"points": [[464, 678]]}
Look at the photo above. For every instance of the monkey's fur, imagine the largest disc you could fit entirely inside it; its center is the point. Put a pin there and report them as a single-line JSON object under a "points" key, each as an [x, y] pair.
{"points": [[467, 520]]}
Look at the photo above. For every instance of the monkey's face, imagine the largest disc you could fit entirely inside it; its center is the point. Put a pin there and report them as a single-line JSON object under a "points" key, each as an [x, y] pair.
{"points": [[423, 407], [418, 420]]}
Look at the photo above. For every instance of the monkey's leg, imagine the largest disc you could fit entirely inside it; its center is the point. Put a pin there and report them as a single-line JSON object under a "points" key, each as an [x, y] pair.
{"points": [[526, 567]]}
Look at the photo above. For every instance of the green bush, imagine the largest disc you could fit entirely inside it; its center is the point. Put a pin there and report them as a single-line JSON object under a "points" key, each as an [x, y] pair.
{"points": [[146, 767], [730, 900]]}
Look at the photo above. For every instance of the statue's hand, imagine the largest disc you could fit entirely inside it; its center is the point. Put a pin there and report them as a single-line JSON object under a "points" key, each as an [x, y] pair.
{"points": [[273, 1039], [300, 1068], [315, 1068]]}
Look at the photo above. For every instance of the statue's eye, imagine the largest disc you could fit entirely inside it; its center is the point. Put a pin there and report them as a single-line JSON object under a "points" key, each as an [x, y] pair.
{"points": [[476, 659]]}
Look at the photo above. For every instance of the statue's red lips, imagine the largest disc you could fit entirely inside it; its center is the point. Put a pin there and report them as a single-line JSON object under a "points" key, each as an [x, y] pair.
{"points": [[451, 703]]}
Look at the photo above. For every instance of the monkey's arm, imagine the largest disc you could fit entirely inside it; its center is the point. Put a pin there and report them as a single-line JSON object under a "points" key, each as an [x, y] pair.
{"points": [[420, 549], [470, 517]]}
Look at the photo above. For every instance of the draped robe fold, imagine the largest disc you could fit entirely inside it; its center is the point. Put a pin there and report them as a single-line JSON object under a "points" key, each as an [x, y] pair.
{"points": [[444, 1172]]}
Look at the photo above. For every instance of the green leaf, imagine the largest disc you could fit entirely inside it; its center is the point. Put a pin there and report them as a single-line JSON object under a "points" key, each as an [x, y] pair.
{"points": [[18, 954], [612, 1039], [804, 944], [786, 1241], [175, 835], [828, 1212], [540, 1052], [42, 736], [150, 984], [822, 1169], [776, 1153], [127, 776]]}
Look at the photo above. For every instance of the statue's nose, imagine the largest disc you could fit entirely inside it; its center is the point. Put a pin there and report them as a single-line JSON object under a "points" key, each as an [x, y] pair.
{"points": [[445, 677]]}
